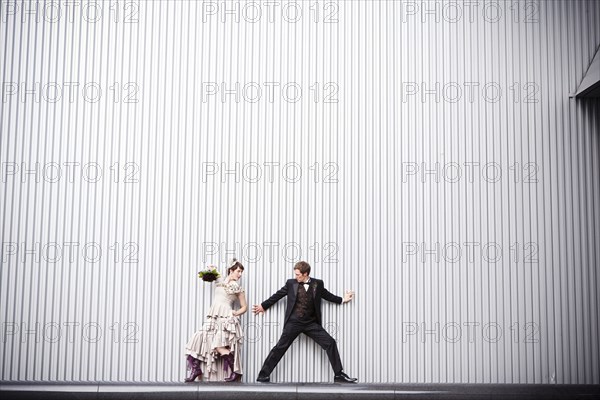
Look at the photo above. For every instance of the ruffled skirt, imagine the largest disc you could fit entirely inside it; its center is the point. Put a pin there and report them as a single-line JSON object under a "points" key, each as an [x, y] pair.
{"points": [[216, 332]]}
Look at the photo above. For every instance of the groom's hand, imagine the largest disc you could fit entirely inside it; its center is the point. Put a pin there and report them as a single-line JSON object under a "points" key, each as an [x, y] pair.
{"points": [[349, 295], [257, 309]]}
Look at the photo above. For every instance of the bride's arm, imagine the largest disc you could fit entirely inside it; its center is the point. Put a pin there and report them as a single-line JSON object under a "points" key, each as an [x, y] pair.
{"points": [[243, 305]]}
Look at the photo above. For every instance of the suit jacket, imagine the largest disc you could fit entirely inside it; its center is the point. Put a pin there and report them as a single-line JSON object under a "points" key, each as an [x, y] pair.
{"points": [[291, 288]]}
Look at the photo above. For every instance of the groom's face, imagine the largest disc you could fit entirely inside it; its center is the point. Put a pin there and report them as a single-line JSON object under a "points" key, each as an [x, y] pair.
{"points": [[300, 277]]}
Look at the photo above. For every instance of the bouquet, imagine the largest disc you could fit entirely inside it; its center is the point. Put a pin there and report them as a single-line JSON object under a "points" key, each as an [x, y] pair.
{"points": [[209, 274]]}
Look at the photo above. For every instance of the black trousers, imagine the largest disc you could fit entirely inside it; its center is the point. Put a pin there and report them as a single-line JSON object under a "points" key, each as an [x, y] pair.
{"points": [[313, 330]]}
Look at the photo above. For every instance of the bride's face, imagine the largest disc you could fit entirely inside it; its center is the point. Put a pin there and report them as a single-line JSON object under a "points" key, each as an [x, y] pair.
{"points": [[236, 275]]}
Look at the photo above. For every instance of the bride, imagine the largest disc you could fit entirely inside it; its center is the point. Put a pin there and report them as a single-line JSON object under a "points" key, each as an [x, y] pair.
{"points": [[221, 337]]}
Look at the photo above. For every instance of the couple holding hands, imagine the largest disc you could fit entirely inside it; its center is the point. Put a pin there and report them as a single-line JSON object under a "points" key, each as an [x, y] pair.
{"points": [[221, 336]]}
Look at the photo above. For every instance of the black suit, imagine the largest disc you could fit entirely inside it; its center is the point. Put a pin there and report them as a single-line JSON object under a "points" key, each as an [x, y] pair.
{"points": [[295, 325]]}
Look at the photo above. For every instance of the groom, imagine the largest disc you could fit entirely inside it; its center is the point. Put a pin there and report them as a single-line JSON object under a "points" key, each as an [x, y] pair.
{"points": [[303, 315]]}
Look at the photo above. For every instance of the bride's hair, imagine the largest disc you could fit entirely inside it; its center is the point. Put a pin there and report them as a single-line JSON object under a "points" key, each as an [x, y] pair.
{"points": [[233, 265]]}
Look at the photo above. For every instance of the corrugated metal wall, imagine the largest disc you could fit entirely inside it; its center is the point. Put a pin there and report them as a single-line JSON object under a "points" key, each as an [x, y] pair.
{"points": [[425, 154]]}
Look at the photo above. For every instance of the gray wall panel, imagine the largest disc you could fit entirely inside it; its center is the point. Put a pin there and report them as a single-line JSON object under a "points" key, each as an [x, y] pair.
{"points": [[427, 155]]}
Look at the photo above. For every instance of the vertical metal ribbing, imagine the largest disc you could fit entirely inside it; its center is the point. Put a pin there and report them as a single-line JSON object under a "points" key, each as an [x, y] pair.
{"points": [[547, 310]]}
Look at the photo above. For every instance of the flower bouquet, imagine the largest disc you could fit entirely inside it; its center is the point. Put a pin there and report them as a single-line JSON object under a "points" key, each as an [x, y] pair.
{"points": [[209, 274]]}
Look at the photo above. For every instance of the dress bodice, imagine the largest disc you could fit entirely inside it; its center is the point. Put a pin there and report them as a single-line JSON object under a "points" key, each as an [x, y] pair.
{"points": [[225, 296]]}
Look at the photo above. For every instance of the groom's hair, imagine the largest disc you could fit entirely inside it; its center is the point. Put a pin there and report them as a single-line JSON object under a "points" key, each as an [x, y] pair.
{"points": [[303, 267]]}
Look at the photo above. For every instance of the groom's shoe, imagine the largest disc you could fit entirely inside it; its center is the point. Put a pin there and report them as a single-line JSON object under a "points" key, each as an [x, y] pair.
{"points": [[343, 378], [263, 379]]}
